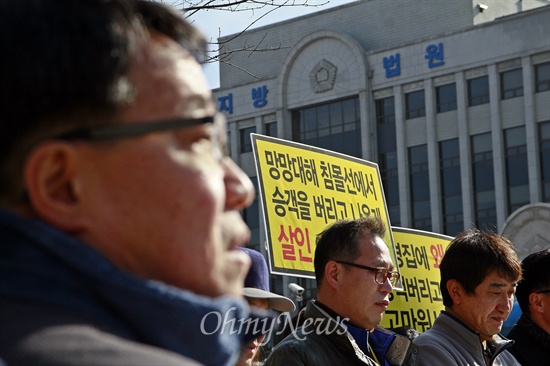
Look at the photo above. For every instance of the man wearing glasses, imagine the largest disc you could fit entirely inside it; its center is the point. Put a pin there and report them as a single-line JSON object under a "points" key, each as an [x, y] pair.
{"points": [[355, 276], [119, 213], [479, 273], [532, 331]]}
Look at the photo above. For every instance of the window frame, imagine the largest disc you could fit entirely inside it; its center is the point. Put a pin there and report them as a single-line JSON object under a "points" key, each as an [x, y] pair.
{"points": [[447, 105], [245, 143], [509, 92], [480, 99], [545, 81], [418, 112]]}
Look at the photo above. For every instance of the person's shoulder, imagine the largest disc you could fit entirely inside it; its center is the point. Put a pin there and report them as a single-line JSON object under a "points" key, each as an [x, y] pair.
{"points": [[301, 347], [434, 349], [442, 330], [287, 352], [33, 333], [88, 346], [295, 339], [429, 337], [526, 349]]}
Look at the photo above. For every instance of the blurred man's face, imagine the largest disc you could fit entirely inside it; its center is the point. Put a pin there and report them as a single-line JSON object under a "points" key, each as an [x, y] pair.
{"points": [[486, 310], [163, 205]]}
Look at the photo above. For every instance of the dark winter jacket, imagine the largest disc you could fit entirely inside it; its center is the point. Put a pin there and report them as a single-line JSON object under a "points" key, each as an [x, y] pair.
{"points": [[532, 347], [323, 341]]}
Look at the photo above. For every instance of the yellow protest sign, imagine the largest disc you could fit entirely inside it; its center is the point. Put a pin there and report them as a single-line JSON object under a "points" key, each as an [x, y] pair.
{"points": [[419, 302], [303, 189]]}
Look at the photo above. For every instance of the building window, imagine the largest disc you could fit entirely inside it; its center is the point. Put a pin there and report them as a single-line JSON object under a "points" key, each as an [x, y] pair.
{"points": [[446, 98], [451, 187], [415, 105], [517, 174], [334, 126], [385, 110], [246, 142], [251, 215], [478, 91], [483, 182], [542, 77], [544, 133], [420, 188], [271, 129], [387, 156], [511, 84]]}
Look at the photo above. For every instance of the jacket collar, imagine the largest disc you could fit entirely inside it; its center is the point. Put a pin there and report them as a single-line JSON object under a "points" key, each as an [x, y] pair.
{"points": [[36, 258], [496, 345], [334, 328]]}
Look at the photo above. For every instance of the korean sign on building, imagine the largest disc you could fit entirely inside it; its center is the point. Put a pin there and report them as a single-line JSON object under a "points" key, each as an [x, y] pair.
{"points": [[303, 189], [434, 55]]}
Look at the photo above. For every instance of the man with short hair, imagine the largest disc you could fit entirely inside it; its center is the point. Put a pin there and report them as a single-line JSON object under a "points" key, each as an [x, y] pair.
{"points": [[119, 213], [532, 331], [355, 276], [479, 273]]}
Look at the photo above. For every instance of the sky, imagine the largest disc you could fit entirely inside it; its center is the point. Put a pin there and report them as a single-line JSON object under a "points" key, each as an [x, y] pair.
{"points": [[212, 23]]}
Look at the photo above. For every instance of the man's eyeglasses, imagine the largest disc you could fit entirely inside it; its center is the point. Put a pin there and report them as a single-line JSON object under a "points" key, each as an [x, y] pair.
{"points": [[120, 131], [380, 273], [542, 292]]}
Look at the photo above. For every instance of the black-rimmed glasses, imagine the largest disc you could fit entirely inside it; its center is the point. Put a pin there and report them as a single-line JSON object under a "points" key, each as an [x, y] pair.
{"points": [[380, 273], [120, 131], [117, 131], [542, 292]]}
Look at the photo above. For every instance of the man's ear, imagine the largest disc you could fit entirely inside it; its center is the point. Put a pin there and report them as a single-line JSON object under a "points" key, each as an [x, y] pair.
{"points": [[51, 184], [455, 291], [332, 272], [536, 303]]}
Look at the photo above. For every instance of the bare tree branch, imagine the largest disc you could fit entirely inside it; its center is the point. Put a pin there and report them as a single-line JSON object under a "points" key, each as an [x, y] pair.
{"points": [[217, 52]]}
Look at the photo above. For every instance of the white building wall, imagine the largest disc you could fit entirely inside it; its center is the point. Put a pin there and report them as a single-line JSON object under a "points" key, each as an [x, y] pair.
{"points": [[375, 24], [357, 49]]}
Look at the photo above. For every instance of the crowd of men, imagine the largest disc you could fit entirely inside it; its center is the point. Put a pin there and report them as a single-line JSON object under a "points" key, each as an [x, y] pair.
{"points": [[120, 230]]}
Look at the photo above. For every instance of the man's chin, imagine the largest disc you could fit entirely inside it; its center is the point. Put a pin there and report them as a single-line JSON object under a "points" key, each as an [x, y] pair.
{"points": [[235, 267], [234, 231]]}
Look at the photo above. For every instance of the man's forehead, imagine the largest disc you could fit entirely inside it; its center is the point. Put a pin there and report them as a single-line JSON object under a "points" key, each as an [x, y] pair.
{"points": [[168, 81], [375, 249], [495, 280]]}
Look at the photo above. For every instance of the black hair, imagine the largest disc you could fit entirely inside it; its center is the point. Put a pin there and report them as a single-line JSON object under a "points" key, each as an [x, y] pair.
{"points": [[536, 277], [339, 241], [64, 64], [472, 255]]}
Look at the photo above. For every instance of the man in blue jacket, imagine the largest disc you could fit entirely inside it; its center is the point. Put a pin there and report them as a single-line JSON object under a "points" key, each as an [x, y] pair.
{"points": [[119, 217]]}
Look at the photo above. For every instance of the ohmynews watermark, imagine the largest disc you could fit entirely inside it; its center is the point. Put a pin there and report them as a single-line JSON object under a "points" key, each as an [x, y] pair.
{"points": [[218, 323]]}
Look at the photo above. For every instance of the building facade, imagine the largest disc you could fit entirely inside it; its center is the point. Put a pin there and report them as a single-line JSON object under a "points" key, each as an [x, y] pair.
{"points": [[450, 98]]}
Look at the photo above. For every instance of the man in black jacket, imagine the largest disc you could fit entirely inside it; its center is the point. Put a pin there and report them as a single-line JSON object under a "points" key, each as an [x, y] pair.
{"points": [[355, 276], [532, 331]]}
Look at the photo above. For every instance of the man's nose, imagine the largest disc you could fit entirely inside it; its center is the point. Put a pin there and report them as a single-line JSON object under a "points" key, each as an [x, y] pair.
{"points": [[386, 287], [239, 189], [505, 303]]}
